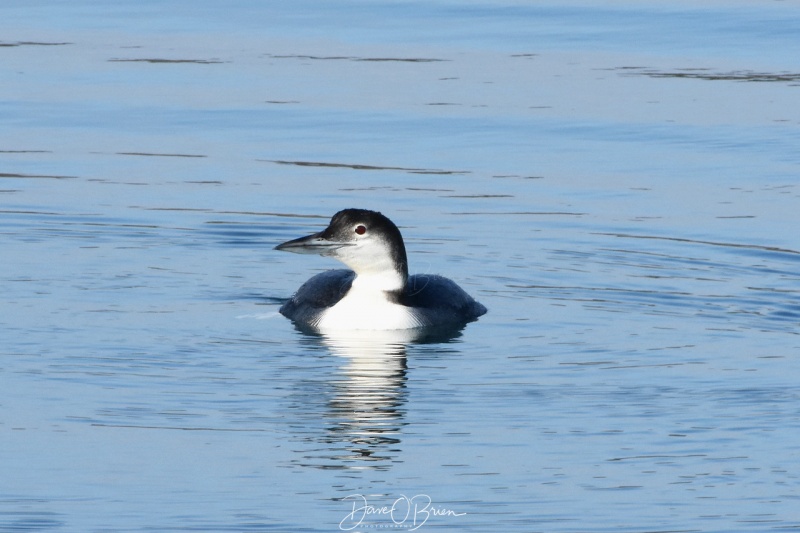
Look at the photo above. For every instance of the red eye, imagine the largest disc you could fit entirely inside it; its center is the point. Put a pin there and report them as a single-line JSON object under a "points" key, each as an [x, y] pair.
{"points": [[361, 230]]}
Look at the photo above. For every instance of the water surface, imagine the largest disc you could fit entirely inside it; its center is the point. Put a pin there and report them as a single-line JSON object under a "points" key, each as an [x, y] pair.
{"points": [[616, 182]]}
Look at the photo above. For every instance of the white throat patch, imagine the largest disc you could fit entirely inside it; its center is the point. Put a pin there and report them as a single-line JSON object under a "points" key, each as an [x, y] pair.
{"points": [[366, 306]]}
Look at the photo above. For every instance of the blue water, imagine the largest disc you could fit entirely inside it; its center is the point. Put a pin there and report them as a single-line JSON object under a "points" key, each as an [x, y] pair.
{"points": [[617, 182]]}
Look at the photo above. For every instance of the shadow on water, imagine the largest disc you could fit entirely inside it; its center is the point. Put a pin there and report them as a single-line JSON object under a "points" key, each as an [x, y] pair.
{"points": [[354, 58], [29, 43], [26, 515], [29, 520], [741, 286], [358, 166], [362, 406], [708, 74]]}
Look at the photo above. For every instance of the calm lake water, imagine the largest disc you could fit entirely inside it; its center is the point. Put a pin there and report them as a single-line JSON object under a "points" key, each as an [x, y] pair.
{"points": [[618, 182]]}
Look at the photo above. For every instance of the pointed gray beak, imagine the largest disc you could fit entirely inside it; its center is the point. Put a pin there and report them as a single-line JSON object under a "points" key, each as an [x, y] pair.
{"points": [[312, 244]]}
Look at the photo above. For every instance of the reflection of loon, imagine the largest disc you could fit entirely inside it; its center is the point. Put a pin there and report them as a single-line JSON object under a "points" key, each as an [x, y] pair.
{"points": [[366, 410], [355, 417], [377, 293]]}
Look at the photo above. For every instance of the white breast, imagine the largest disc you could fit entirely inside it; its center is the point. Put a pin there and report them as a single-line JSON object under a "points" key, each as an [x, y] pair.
{"points": [[363, 309]]}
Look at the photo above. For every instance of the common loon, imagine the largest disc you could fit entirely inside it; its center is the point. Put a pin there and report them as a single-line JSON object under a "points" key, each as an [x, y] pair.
{"points": [[377, 294]]}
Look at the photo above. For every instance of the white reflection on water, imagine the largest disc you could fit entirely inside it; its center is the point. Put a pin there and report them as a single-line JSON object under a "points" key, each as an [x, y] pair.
{"points": [[362, 404]]}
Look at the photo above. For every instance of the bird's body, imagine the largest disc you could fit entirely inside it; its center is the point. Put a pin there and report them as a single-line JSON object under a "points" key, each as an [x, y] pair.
{"points": [[377, 294]]}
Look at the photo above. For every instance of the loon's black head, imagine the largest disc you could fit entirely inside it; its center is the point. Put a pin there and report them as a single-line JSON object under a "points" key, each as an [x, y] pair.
{"points": [[366, 241]]}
